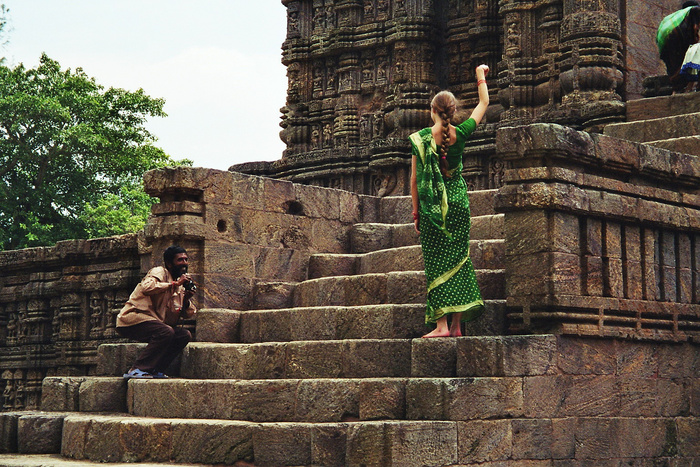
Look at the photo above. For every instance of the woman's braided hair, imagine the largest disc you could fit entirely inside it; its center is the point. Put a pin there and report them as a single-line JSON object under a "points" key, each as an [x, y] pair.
{"points": [[444, 104]]}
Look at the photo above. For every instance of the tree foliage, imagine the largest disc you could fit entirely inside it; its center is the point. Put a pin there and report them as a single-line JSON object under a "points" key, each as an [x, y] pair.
{"points": [[72, 156]]}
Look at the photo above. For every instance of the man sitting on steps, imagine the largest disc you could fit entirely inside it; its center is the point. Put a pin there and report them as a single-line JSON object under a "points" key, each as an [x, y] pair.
{"points": [[152, 312]]}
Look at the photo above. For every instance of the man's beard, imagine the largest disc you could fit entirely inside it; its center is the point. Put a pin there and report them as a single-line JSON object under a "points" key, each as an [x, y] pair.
{"points": [[178, 271]]}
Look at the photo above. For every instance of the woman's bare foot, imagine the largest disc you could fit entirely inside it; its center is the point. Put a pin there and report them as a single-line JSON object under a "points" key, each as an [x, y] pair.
{"points": [[438, 333], [441, 329], [456, 325]]}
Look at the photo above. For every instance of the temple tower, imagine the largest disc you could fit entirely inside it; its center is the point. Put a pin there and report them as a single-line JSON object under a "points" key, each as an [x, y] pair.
{"points": [[362, 72]]}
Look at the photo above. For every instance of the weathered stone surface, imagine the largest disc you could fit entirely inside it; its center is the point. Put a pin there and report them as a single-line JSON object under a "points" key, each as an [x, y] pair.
{"points": [[586, 356], [264, 400], [381, 399], [648, 130], [542, 274], [425, 399], [327, 400], [406, 287], [74, 438], [212, 442], [324, 265], [158, 399], [370, 237], [532, 439], [201, 361], [39, 434], [8, 431], [422, 443], [258, 326], [408, 258], [488, 227], [282, 444], [662, 106], [234, 292], [376, 358], [484, 441], [366, 444], [688, 437], [312, 324], [217, 325], [328, 444], [60, 394], [272, 295], [314, 360], [507, 356], [479, 398], [434, 357], [102, 395]]}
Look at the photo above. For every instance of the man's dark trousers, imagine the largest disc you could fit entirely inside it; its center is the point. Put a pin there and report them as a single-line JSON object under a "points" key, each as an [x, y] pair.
{"points": [[164, 344]]}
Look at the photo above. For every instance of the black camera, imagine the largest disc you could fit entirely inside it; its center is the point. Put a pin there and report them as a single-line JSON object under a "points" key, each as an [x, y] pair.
{"points": [[190, 285]]}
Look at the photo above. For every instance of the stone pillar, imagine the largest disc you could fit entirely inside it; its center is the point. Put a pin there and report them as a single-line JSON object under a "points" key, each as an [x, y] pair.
{"points": [[528, 76], [590, 63]]}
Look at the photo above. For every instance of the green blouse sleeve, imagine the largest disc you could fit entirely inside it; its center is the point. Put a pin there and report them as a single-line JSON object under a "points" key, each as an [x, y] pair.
{"points": [[466, 128]]}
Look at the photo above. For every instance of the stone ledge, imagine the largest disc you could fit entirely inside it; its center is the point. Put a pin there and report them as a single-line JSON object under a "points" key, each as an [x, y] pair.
{"points": [[587, 315], [567, 440], [542, 143], [332, 322]]}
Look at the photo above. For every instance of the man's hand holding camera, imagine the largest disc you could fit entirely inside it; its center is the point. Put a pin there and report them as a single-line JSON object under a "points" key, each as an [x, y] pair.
{"points": [[186, 281]]}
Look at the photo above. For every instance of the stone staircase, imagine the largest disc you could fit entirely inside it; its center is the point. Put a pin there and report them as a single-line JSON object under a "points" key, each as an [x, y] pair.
{"points": [[329, 371], [668, 122]]}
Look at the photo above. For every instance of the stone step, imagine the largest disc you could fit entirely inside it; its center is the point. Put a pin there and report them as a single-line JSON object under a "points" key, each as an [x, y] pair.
{"points": [[663, 106], [368, 237], [685, 145], [56, 460], [511, 442], [365, 399], [469, 356], [656, 129], [386, 321], [392, 287], [399, 209], [485, 254]]}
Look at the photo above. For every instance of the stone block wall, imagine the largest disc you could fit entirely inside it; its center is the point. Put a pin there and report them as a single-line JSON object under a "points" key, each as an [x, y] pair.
{"points": [[248, 235], [247, 238], [57, 304], [602, 235]]}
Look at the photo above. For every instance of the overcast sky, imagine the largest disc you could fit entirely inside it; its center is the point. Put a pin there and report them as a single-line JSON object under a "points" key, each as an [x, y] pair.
{"points": [[215, 62]]}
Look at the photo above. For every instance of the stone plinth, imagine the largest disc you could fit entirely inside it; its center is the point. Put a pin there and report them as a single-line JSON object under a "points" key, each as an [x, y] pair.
{"points": [[602, 235]]}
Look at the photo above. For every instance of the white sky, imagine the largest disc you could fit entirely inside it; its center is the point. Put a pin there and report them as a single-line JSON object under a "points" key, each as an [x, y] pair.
{"points": [[217, 64]]}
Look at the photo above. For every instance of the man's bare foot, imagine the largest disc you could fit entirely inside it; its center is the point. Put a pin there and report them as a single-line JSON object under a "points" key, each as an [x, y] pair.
{"points": [[438, 333]]}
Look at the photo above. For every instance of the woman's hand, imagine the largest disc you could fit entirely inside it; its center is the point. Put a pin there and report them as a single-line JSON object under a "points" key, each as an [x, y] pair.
{"points": [[416, 223], [482, 71]]}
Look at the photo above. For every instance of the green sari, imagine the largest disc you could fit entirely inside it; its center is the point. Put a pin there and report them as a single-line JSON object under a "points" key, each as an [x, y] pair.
{"points": [[444, 222]]}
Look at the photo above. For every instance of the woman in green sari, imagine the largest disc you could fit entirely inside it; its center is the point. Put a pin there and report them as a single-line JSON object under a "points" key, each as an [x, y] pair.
{"points": [[441, 212]]}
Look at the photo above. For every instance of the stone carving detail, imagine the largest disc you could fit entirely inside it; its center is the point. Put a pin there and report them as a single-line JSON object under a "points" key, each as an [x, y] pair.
{"points": [[513, 37], [54, 321], [384, 184], [554, 61], [496, 172]]}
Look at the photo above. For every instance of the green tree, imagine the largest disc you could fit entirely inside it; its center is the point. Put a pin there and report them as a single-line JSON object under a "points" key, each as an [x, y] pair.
{"points": [[72, 156]]}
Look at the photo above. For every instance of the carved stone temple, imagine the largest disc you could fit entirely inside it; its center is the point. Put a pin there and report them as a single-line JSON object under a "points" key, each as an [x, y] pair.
{"points": [[362, 73], [585, 237]]}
